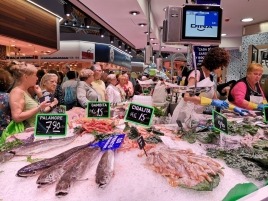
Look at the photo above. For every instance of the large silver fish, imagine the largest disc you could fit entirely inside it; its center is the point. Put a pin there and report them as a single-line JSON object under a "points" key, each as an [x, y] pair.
{"points": [[35, 168], [105, 169], [41, 146], [76, 172], [54, 173]]}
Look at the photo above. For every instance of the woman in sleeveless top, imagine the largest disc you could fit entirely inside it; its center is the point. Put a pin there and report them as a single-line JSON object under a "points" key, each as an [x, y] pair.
{"points": [[23, 107]]}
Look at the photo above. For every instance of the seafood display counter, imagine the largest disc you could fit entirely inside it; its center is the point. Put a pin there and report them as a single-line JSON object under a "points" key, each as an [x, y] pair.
{"points": [[169, 170]]}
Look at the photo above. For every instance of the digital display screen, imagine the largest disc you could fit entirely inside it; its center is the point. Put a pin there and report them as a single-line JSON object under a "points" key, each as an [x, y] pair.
{"points": [[202, 23]]}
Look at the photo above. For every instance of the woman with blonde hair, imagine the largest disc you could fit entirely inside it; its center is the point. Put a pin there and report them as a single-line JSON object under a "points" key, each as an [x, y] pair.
{"points": [[85, 92], [247, 93], [23, 107], [48, 86], [122, 86], [113, 93]]}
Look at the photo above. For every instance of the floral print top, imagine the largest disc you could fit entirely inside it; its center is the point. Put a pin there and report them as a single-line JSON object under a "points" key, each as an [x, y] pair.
{"points": [[5, 112]]}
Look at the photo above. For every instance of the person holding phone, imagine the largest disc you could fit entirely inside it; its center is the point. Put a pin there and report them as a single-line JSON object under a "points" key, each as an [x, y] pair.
{"points": [[23, 107], [247, 92], [48, 86]]}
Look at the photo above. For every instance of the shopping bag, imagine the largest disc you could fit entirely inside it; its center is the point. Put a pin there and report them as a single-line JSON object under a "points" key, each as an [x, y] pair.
{"points": [[12, 128]]}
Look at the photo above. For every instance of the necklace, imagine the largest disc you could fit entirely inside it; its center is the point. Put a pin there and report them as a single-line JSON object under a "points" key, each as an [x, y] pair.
{"points": [[250, 86]]}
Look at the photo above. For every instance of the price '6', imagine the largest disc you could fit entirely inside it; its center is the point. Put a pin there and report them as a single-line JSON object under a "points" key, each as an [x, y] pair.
{"points": [[54, 125], [97, 112]]}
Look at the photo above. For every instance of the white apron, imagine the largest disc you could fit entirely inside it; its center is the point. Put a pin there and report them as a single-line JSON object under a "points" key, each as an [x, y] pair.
{"points": [[187, 111]]}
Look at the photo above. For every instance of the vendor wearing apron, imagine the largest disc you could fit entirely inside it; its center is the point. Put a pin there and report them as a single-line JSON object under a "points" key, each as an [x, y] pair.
{"points": [[191, 106], [247, 93]]}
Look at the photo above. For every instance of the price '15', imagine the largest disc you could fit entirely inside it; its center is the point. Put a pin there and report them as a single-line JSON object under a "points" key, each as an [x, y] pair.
{"points": [[98, 112]]}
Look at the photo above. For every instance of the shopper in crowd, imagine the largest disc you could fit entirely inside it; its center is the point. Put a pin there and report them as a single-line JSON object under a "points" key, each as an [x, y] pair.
{"points": [[98, 84], [247, 92], [69, 89], [113, 93], [122, 86], [6, 81], [40, 73], [129, 86], [23, 107], [48, 86], [138, 88], [65, 69], [215, 59], [181, 68], [58, 93], [104, 78], [85, 91]]}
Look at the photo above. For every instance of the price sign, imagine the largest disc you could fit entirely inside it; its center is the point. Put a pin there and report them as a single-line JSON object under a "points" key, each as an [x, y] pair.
{"points": [[141, 142], [112, 143], [265, 111], [139, 114], [98, 109], [219, 122], [50, 125]]}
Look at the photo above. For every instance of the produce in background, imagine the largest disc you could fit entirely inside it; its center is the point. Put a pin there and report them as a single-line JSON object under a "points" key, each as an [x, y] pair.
{"points": [[185, 169], [105, 169]]}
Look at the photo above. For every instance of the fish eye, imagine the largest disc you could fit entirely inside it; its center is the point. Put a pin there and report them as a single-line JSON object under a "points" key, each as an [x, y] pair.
{"points": [[50, 176], [34, 173]]}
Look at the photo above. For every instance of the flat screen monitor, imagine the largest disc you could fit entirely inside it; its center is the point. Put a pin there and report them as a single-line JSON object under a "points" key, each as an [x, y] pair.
{"points": [[201, 23]]}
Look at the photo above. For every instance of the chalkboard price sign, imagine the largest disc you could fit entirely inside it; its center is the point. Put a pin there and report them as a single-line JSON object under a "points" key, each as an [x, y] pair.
{"points": [[139, 114], [98, 109], [265, 111], [50, 125], [219, 122]]}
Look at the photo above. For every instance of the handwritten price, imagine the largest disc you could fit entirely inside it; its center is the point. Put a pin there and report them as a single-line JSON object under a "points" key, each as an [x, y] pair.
{"points": [[55, 125]]}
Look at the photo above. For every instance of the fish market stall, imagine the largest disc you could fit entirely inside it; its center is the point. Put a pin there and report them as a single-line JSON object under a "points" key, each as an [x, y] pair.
{"points": [[133, 175]]}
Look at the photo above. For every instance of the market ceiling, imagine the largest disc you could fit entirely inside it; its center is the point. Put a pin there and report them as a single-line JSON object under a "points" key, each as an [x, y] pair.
{"points": [[116, 13]]}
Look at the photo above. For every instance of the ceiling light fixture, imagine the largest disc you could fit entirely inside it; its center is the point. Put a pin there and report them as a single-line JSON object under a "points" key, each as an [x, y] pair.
{"points": [[142, 24], [223, 34], [74, 24], [112, 39], [66, 22], [126, 47], [87, 22], [67, 9], [102, 31], [152, 38], [134, 12], [248, 19], [155, 43], [119, 44], [178, 48]]}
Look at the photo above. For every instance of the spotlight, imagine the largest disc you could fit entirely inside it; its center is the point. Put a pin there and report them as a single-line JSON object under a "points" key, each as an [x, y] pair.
{"points": [[67, 9], [102, 31], [134, 12], [126, 47], [87, 22], [129, 50], [74, 24], [112, 39], [142, 24], [119, 44], [66, 22]]}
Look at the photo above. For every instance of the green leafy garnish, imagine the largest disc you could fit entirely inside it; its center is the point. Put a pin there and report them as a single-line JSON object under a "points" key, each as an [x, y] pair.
{"points": [[10, 145], [31, 160]]}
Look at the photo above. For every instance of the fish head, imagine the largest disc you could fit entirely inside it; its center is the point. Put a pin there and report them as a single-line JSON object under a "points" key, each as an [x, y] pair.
{"points": [[25, 173], [104, 181], [45, 179], [62, 188]]}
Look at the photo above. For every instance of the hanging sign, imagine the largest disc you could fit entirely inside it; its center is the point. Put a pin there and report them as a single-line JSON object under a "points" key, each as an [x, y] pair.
{"points": [[139, 114], [98, 109], [50, 125], [219, 122], [200, 53]]}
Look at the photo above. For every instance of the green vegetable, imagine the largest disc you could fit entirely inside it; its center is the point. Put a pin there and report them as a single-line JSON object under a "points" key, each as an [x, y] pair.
{"points": [[133, 133], [158, 112], [10, 145], [30, 160], [189, 136], [153, 140], [206, 185], [127, 127]]}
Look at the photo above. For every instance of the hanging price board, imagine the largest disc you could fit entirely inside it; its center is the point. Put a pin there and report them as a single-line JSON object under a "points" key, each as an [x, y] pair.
{"points": [[219, 122], [50, 125], [139, 114], [98, 109]]}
